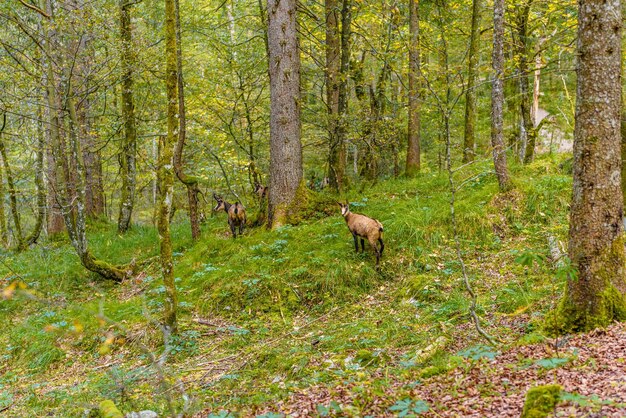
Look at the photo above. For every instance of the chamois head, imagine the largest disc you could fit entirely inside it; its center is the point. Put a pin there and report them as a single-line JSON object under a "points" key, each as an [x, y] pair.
{"points": [[220, 203], [260, 191], [345, 208]]}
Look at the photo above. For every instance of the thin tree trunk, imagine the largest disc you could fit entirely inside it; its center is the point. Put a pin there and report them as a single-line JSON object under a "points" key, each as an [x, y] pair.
{"points": [[343, 94], [497, 97], [469, 140], [15, 214], [285, 146], [190, 182], [39, 182], [94, 191], [94, 196], [129, 141], [333, 64], [414, 134], [527, 132], [166, 176], [4, 236], [597, 295], [534, 110]]}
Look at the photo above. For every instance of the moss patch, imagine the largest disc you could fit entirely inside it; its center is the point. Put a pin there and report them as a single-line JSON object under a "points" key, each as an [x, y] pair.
{"points": [[541, 401]]}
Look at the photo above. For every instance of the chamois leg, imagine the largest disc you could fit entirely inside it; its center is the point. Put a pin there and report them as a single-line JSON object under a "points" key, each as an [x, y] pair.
{"points": [[232, 228], [356, 242], [362, 245], [382, 245], [377, 252], [241, 225]]}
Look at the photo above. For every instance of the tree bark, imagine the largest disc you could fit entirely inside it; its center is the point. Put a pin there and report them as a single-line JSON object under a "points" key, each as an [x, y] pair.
{"points": [[522, 50], [39, 181], [597, 296], [497, 97], [4, 236], [333, 64], [414, 134], [190, 182], [285, 146], [166, 175], [15, 214], [129, 141], [343, 94], [469, 140], [94, 197]]}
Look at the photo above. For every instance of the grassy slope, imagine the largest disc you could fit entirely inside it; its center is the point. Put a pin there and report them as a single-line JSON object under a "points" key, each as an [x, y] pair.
{"points": [[287, 309]]}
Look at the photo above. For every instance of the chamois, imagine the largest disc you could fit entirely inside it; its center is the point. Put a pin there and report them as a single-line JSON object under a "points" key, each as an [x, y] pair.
{"points": [[260, 191], [236, 214], [362, 227]]}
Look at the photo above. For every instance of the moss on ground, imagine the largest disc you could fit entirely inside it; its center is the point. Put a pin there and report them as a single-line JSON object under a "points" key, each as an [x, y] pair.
{"points": [[541, 401]]}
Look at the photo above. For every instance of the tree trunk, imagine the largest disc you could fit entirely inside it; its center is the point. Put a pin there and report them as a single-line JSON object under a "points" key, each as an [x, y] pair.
{"points": [[94, 191], [4, 236], [597, 296], [166, 176], [39, 181], [333, 64], [129, 141], [285, 146], [497, 97], [15, 213], [522, 47], [413, 147], [190, 182], [343, 93], [469, 140]]}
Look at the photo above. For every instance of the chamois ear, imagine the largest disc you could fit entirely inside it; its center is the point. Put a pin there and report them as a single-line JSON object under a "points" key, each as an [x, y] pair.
{"points": [[339, 203]]}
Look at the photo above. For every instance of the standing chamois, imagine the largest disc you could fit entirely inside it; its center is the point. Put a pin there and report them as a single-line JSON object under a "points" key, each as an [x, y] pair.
{"points": [[236, 214], [364, 227]]}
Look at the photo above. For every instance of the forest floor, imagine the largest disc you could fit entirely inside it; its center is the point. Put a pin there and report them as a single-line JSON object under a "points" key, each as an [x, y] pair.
{"points": [[294, 322]]}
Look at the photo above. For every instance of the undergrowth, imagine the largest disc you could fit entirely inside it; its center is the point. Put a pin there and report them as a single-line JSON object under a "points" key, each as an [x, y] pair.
{"points": [[278, 311]]}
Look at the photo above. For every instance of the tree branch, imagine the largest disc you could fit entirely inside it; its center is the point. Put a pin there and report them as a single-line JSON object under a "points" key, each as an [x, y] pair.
{"points": [[35, 8]]}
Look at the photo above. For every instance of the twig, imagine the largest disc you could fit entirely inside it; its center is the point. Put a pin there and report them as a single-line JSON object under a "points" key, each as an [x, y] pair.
{"points": [[37, 9]]}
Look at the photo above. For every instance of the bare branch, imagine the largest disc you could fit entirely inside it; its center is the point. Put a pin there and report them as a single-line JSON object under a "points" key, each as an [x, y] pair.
{"points": [[35, 8]]}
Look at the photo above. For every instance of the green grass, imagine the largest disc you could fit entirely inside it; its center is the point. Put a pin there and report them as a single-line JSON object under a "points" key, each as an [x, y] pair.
{"points": [[290, 308]]}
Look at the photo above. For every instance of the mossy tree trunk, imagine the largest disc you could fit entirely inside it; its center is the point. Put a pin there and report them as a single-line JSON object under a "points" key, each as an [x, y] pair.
{"points": [[522, 52], [285, 144], [331, 73], [337, 63], [4, 236], [190, 182], [469, 139], [165, 168], [39, 181], [413, 147], [15, 214], [597, 296], [497, 97], [128, 152], [343, 95]]}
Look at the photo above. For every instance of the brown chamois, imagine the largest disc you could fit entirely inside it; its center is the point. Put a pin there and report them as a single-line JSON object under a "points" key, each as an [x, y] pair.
{"points": [[260, 191], [362, 227], [236, 214]]}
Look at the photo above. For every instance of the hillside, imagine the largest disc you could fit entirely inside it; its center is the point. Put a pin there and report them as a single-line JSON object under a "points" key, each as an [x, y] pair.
{"points": [[281, 319]]}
